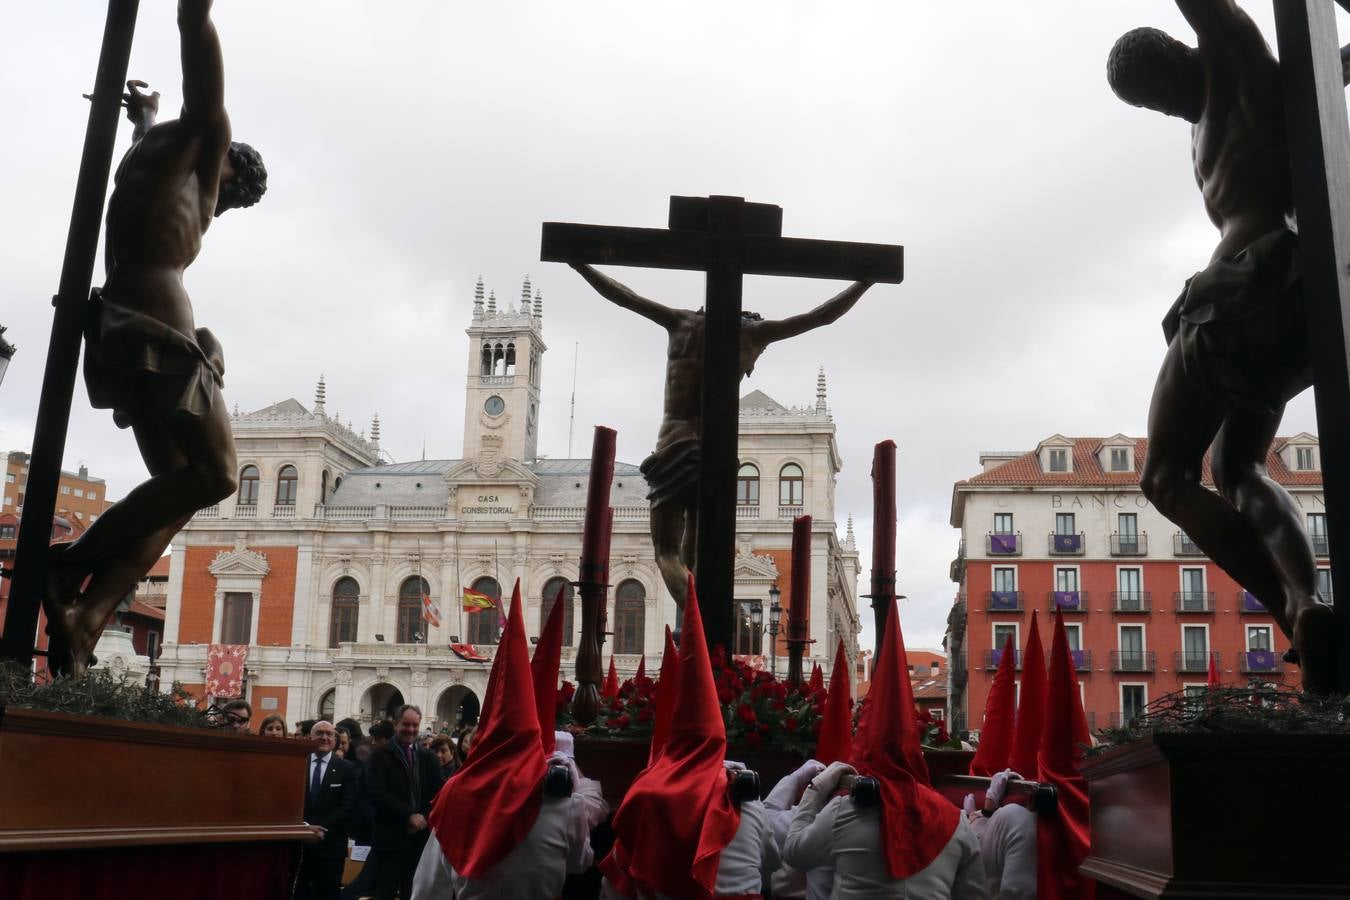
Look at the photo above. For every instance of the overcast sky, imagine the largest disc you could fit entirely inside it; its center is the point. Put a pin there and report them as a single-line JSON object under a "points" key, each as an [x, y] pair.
{"points": [[413, 146]]}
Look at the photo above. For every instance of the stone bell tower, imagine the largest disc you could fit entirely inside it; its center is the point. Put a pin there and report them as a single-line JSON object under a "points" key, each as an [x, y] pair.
{"points": [[506, 349]]}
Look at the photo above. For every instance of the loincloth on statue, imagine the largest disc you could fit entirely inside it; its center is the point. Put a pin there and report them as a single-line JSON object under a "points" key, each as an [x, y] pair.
{"points": [[672, 473], [1242, 327], [133, 362]]}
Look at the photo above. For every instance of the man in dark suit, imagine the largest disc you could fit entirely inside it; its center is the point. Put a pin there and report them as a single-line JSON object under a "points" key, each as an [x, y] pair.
{"points": [[402, 780], [330, 796]]}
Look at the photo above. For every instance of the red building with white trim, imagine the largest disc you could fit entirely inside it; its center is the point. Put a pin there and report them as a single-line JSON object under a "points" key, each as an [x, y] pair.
{"points": [[1066, 525]]}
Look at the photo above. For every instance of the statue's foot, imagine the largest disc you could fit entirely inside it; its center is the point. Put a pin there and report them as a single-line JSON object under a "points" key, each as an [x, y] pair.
{"points": [[69, 647], [1315, 647]]}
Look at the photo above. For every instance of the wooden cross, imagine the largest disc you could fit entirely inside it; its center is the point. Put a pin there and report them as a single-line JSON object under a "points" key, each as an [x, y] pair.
{"points": [[1319, 155], [727, 238]]}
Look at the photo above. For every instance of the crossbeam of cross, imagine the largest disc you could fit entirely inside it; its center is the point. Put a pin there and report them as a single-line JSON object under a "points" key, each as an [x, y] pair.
{"points": [[728, 239]]}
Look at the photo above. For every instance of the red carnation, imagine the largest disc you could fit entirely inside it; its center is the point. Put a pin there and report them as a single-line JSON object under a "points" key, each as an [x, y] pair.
{"points": [[790, 723], [645, 714], [624, 720], [726, 695], [616, 705], [746, 712]]}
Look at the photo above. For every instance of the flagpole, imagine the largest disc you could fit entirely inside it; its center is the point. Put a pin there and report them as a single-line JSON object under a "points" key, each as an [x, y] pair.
{"points": [[459, 580]]}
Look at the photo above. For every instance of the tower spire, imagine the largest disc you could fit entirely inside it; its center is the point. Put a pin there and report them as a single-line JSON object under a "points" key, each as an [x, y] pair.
{"points": [[478, 299], [539, 305], [525, 291], [492, 303], [375, 430], [320, 394], [820, 391], [850, 542]]}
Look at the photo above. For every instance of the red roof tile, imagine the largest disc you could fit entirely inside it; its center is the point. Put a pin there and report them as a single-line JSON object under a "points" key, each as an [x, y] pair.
{"points": [[1026, 470], [160, 569], [145, 610]]}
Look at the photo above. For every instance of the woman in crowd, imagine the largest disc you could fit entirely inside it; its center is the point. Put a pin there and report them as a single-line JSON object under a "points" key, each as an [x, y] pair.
{"points": [[273, 726]]}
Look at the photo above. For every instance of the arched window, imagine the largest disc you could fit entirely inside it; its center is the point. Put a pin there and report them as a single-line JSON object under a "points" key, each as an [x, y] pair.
{"points": [[550, 594], [326, 704], [485, 368], [498, 360], [248, 486], [483, 625], [747, 485], [510, 359], [411, 629], [791, 486], [630, 616], [288, 481], [346, 609]]}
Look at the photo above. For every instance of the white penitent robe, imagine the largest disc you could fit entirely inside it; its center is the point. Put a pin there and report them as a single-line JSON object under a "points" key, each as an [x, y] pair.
{"points": [[559, 844], [1008, 848], [745, 862], [840, 835]]}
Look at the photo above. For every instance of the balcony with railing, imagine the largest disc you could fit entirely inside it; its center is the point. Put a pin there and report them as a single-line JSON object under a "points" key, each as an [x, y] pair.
{"points": [[1066, 544], [1194, 601], [790, 512], [1003, 544], [1131, 601], [1182, 545], [1003, 601], [1068, 601], [1247, 603], [1133, 660], [1321, 546], [1192, 661], [246, 511], [283, 511], [1129, 544], [210, 512], [993, 657], [1257, 662], [1082, 659], [746, 511]]}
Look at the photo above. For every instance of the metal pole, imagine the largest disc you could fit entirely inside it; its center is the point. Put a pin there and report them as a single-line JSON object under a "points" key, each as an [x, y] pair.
{"points": [[63, 351]]}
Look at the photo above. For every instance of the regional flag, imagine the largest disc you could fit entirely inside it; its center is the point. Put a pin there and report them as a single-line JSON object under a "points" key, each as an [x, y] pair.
{"points": [[431, 613], [225, 670], [475, 601]]}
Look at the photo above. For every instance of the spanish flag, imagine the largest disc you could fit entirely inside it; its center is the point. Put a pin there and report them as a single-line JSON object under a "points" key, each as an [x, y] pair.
{"points": [[431, 612], [474, 601]]}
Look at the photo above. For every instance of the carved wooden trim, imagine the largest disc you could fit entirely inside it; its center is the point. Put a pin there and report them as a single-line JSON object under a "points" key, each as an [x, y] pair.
{"points": [[68, 838]]}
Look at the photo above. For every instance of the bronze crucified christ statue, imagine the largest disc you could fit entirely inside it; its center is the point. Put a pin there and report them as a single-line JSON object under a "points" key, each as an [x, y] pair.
{"points": [[1237, 336], [672, 470], [144, 356]]}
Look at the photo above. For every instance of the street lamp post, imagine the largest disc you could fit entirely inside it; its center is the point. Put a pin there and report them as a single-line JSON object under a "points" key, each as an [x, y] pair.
{"points": [[6, 353], [775, 618]]}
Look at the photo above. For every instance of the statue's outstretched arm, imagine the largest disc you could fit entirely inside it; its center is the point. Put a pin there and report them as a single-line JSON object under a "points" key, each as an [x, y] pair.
{"points": [[203, 66], [622, 295], [823, 314]]}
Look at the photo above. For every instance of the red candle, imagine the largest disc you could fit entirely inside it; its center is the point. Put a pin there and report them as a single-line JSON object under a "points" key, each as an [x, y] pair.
{"points": [[594, 542], [799, 614], [883, 521]]}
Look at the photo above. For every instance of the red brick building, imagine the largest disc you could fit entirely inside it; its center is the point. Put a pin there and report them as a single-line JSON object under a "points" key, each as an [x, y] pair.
{"points": [[1066, 525]]}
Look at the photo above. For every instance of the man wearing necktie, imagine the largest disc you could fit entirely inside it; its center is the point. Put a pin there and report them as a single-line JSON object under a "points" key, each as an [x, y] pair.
{"points": [[402, 780], [330, 795]]}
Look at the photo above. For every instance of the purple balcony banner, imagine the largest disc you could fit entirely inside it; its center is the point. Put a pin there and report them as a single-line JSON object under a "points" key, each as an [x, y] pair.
{"points": [[996, 657], [1068, 543], [1067, 599], [1251, 604], [1260, 660], [1079, 658], [1002, 543], [1003, 600]]}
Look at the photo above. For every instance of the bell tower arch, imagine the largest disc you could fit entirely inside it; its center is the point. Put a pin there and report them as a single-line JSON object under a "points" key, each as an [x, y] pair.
{"points": [[506, 349]]}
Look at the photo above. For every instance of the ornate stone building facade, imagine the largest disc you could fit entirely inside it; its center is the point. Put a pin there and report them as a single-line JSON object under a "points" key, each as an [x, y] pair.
{"points": [[321, 561]]}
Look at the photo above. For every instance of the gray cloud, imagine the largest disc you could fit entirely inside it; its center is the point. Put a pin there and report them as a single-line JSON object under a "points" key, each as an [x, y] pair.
{"points": [[415, 145]]}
